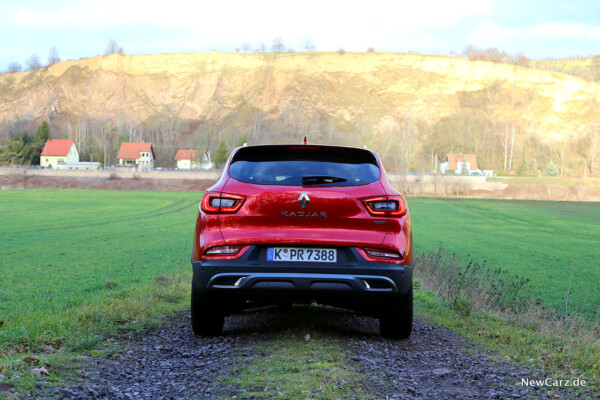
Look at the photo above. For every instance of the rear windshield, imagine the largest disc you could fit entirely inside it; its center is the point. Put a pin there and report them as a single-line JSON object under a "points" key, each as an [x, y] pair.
{"points": [[304, 165]]}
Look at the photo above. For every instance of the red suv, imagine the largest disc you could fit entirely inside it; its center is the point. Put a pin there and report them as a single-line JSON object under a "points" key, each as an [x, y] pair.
{"points": [[300, 224]]}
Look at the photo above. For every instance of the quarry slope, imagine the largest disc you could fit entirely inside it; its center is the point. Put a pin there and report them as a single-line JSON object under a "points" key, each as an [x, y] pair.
{"points": [[214, 86]]}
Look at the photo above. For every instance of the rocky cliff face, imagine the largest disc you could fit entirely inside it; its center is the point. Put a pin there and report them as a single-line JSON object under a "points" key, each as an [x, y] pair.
{"points": [[214, 86]]}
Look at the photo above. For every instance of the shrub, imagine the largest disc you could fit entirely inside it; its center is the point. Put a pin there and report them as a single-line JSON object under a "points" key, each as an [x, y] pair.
{"points": [[470, 287], [534, 166], [222, 153], [551, 169], [522, 169]]}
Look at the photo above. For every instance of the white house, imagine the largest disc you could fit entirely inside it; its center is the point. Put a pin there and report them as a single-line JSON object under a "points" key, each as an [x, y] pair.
{"points": [[138, 155], [193, 159], [460, 163], [58, 151], [79, 166]]}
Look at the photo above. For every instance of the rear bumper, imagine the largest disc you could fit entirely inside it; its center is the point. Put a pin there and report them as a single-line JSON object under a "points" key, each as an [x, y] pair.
{"points": [[351, 279]]}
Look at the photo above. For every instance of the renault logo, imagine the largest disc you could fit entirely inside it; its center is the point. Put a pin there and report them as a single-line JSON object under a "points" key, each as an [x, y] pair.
{"points": [[303, 200]]}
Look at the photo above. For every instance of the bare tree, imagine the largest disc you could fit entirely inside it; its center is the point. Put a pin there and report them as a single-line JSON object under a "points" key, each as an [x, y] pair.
{"points": [[587, 144], [308, 44], [472, 53], [364, 127], [246, 47], [165, 129], [523, 61], [512, 146], [113, 48], [505, 145], [293, 116], [371, 49], [53, 57], [408, 137], [261, 48], [33, 62], [14, 67], [206, 137], [278, 46], [256, 127]]}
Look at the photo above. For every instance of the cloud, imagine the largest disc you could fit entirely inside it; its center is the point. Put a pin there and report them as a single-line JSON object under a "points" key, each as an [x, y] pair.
{"points": [[491, 32], [179, 25], [259, 16], [566, 30]]}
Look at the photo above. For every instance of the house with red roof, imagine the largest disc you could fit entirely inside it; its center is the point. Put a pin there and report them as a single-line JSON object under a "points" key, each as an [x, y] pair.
{"points": [[463, 164], [138, 155], [58, 151], [193, 159]]}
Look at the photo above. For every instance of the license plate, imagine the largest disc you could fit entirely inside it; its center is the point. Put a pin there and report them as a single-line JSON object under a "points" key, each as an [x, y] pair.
{"points": [[301, 254]]}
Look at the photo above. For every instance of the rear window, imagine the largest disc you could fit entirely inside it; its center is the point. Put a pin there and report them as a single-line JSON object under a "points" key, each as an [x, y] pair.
{"points": [[304, 165]]}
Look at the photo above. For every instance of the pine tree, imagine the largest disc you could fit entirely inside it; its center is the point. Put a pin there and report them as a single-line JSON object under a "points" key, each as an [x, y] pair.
{"points": [[222, 153], [534, 166], [42, 135], [523, 167], [243, 139], [123, 137], [551, 169]]}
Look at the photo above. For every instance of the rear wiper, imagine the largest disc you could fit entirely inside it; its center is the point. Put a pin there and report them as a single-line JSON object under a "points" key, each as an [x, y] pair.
{"points": [[321, 179]]}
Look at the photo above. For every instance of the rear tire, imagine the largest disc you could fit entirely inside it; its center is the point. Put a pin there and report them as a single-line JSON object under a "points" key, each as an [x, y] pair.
{"points": [[396, 321], [205, 321]]}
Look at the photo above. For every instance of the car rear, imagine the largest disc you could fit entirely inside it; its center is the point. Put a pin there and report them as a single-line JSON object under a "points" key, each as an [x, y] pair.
{"points": [[300, 224]]}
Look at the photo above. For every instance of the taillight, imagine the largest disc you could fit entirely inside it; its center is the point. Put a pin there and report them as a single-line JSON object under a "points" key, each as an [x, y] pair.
{"points": [[393, 206], [223, 250], [223, 202], [382, 253]]}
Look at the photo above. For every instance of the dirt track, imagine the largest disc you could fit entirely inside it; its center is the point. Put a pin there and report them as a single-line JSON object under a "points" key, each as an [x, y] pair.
{"points": [[172, 363]]}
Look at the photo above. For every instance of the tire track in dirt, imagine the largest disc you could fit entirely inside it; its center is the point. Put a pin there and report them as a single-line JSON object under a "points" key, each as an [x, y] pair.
{"points": [[121, 220]]}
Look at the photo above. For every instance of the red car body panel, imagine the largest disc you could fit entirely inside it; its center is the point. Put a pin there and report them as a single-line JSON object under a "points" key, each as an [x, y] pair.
{"points": [[271, 215], [345, 222]]}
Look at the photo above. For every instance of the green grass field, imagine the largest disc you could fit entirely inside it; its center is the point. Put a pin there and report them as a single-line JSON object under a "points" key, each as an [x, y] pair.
{"points": [[78, 262], [544, 241], [77, 265]]}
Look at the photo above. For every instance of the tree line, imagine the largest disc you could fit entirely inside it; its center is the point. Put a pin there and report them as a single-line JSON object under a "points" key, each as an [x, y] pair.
{"points": [[406, 143], [24, 148], [34, 62]]}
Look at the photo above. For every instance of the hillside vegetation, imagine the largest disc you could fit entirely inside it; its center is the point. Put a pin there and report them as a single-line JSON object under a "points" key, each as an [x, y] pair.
{"points": [[408, 107], [583, 67]]}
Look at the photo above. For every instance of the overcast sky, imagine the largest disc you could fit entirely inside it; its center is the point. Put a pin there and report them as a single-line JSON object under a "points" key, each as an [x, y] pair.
{"points": [[80, 29]]}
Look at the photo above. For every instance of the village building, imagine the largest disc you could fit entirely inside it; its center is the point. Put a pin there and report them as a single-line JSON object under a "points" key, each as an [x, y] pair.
{"points": [[58, 151], [461, 164], [137, 155], [80, 166], [193, 159]]}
